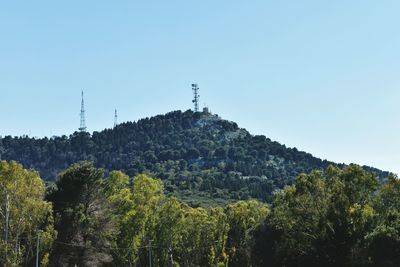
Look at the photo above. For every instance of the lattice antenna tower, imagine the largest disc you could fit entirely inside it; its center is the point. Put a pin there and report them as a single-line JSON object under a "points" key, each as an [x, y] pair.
{"points": [[115, 118], [82, 128], [196, 97]]}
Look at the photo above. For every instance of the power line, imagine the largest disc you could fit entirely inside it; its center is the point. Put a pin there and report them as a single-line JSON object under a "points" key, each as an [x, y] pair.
{"points": [[145, 247]]}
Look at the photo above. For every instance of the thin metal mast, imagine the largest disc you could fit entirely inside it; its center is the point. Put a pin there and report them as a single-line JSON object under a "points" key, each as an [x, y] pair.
{"points": [[82, 128], [38, 247], [196, 97], [115, 119]]}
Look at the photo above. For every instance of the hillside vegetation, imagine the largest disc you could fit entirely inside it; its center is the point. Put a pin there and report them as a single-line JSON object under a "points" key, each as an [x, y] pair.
{"points": [[200, 157], [332, 218]]}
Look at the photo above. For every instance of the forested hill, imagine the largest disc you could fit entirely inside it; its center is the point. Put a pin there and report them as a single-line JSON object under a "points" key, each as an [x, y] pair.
{"points": [[199, 156]]}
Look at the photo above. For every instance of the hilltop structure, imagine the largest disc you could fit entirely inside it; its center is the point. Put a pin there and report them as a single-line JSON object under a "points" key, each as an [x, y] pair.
{"points": [[115, 118], [82, 127], [196, 97]]}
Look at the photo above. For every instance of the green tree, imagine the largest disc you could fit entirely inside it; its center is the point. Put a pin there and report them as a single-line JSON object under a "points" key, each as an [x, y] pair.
{"points": [[83, 220], [384, 239], [242, 217], [321, 220], [168, 232], [23, 212], [136, 215], [180, 235], [198, 243], [120, 198], [220, 231]]}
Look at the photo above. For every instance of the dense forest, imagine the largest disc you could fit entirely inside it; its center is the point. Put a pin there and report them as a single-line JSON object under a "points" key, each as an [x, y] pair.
{"points": [[336, 217], [201, 158]]}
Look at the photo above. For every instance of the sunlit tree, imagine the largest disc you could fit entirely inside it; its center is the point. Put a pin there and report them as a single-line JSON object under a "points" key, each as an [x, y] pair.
{"points": [[24, 216]]}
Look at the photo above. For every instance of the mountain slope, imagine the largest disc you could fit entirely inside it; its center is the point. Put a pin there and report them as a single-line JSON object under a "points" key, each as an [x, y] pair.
{"points": [[199, 156]]}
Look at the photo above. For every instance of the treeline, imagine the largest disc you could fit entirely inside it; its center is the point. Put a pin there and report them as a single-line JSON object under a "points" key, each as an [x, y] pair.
{"points": [[339, 217], [197, 156]]}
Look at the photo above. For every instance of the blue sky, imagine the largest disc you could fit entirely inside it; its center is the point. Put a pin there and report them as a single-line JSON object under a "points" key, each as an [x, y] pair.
{"points": [[323, 76]]}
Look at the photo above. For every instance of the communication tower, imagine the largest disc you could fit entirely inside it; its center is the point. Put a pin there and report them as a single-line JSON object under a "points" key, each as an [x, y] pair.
{"points": [[82, 128], [115, 118], [196, 97]]}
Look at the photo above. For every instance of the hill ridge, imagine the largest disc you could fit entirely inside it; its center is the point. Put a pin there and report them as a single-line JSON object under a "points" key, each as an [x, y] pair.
{"points": [[197, 155]]}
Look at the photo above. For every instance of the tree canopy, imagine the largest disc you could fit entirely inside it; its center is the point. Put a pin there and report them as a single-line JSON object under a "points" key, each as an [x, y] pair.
{"points": [[200, 157], [336, 217], [24, 216]]}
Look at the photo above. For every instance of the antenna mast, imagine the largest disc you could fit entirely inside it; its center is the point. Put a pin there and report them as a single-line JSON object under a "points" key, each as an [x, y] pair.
{"points": [[196, 98], [83, 124], [115, 118]]}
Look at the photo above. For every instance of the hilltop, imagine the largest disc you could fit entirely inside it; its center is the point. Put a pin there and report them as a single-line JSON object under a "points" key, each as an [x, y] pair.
{"points": [[200, 157]]}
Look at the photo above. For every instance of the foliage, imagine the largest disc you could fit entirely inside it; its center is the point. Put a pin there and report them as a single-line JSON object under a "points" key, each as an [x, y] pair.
{"points": [[338, 217], [179, 234], [82, 217], [384, 239], [194, 154], [243, 216], [23, 212], [333, 218]]}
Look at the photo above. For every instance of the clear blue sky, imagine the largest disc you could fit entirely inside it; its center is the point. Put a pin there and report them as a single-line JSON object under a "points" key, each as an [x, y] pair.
{"points": [[323, 76]]}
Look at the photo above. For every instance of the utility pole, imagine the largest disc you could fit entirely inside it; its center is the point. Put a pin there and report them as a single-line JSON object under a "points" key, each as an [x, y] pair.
{"points": [[129, 258], [7, 222], [171, 256], [37, 247], [150, 252]]}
